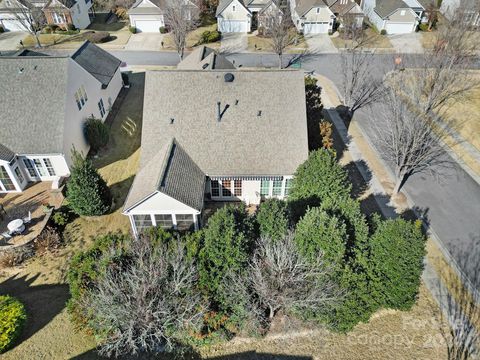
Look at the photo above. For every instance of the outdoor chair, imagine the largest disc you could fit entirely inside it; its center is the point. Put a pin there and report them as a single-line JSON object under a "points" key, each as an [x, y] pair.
{"points": [[28, 219], [6, 235]]}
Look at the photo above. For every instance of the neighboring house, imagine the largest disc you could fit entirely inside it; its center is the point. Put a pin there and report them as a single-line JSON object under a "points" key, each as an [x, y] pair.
{"points": [[347, 12], [395, 16], [69, 12], [241, 16], [221, 135], [312, 16], [44, 110], [14, 13], [205, 58], [149, 15], [470, 9]]}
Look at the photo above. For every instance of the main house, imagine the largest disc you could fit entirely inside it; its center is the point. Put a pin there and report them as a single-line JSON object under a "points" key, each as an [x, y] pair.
{"points": [[45, 107], [221, 135], [149, 15], [63, 13], [396, 16]]}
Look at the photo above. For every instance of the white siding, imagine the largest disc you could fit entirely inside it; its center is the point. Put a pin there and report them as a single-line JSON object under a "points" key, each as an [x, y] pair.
{"points": [[161, 204], [73, 132], [234, 21], [19, 186], [375, 19], [80, 17]]}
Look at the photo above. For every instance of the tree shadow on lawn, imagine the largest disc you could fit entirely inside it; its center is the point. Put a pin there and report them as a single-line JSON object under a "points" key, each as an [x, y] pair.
{"points": [[126, 126], [42, 302], [192, 355], [119, 192]]}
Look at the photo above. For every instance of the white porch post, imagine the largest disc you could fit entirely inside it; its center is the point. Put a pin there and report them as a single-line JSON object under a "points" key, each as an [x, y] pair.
{"points": [[195, 222], [174, 221], [132, 224]]}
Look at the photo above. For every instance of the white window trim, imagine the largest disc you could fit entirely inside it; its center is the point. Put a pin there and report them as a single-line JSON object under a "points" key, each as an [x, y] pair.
{"points": [[154, 223]]}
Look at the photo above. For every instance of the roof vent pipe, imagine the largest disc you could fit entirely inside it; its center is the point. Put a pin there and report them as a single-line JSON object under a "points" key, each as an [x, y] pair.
{"points": [[219, 112], [228, 77]]}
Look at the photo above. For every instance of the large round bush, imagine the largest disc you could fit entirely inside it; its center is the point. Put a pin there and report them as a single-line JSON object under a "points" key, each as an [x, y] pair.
{"points": [[12, 319]]}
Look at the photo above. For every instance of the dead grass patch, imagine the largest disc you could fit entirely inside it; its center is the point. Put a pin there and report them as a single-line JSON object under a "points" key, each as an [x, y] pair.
{"points": [[373, 41]]}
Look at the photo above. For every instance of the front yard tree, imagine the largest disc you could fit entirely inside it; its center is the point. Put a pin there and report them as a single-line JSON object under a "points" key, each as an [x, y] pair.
{"points": [[397, 249], [409, 140], [30, 18], [282, 279], [278, 27], [361, 83], [181, 17], [273, 218], [224, 250], [150, 304], [87, 193]]}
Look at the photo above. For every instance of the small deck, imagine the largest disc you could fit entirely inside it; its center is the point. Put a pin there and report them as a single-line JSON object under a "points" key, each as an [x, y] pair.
{"points": [[34, 198]]}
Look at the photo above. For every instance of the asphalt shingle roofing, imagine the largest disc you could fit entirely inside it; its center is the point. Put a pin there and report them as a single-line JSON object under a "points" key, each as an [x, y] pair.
{"points": [[385, 8], [32, 114], [33, 110], [262, 129], [98, 62], [203, 58]]}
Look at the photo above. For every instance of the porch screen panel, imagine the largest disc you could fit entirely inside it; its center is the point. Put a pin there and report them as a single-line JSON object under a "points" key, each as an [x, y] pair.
{"points": [[142, 222], [39, 166], [184, 222], [6, 180], [277, 188], [265, 187], [226, 188], [164, 220], [30, 168]]}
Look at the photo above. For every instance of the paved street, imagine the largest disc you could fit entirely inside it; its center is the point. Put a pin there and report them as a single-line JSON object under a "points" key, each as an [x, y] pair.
{"points": [[451, 203]]}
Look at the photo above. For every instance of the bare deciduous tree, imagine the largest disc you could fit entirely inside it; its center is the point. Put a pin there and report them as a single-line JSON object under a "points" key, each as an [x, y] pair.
{"points": [[459, 306], [284, 280], [145, 305], [278, 27], [408, 139], [415, 122], [181, 17], [29, 17], [361, 83]]}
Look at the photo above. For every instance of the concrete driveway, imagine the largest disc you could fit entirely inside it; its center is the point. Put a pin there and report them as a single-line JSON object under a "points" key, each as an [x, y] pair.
{"points": [[232, 43], [11, 40], [407, 43], [320, 44], [145, 41]]}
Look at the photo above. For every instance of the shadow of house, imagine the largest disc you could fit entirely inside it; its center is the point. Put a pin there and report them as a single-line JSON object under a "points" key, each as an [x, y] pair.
{"points": [[119, 192], [42, 302], [125, 124]]}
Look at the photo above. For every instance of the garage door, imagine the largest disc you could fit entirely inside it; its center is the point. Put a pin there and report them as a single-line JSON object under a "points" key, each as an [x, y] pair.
{"points": [[235, 26], [12, 25], [399, 28], [148, 25], [315, 28]]}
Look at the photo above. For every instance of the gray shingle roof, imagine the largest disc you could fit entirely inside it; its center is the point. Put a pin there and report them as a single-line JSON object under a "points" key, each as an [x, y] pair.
{"points": [[205, 58], [303, 6], [385, 8], [242, 143], [158, 8], [223, 4], [5, 153], [32, 120], [182, 179], [98, 62], [172, 172]]}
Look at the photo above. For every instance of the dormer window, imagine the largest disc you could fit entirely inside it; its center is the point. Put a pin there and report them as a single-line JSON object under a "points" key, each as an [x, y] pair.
{"points": [[234, 8], [402, 13]]}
